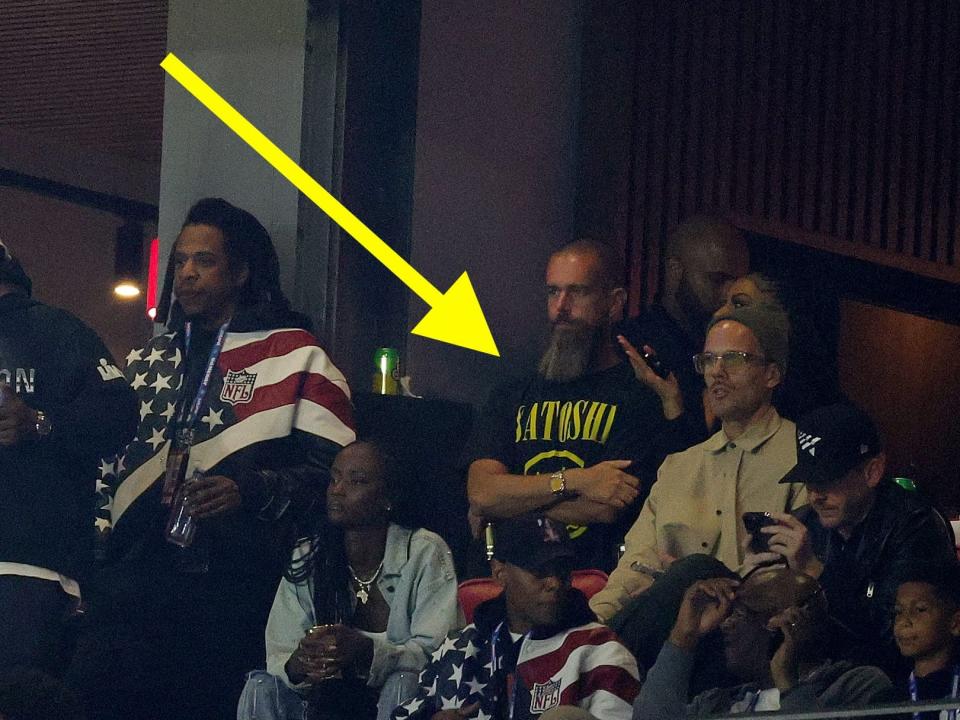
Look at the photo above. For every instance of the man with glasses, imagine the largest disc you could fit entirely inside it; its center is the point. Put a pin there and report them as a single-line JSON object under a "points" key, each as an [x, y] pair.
{"points": [[578, 439], [695, 507]]}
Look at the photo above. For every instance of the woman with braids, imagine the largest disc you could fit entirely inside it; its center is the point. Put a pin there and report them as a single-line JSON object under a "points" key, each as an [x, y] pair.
{"points": [[241, 415], [361, 607]]}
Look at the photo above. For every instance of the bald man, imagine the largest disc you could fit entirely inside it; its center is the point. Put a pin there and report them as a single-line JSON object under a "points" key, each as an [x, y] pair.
{"points": [[581, 439], [703, 256], [774, 625]]}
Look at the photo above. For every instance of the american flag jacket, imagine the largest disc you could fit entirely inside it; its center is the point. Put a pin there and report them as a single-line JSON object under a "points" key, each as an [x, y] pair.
{"points": [[579, 662], [276, 411]]}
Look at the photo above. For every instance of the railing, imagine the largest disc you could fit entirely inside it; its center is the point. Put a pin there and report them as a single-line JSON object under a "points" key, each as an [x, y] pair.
{"points": [[872, 711]]}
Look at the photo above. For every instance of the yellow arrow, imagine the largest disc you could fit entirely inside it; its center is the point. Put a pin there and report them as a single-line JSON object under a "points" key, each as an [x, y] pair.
{"points": [[454, 317]]}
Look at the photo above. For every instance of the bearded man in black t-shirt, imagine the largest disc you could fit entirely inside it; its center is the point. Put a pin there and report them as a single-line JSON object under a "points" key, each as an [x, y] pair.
{"points": [[580, 440]]}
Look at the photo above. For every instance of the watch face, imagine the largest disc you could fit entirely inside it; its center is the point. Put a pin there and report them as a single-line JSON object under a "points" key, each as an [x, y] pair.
{"points": [[556, 483]]}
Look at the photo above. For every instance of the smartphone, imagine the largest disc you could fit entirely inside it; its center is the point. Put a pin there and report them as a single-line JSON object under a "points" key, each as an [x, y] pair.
{"points": [[753, 521], [654, 362]]}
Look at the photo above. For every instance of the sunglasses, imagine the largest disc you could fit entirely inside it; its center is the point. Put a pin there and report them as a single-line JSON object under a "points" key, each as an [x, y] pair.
{"points": [[732, 360]]}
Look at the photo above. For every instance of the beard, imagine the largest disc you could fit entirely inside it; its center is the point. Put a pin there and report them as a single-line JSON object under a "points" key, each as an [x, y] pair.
{"points": [[570, 351]]}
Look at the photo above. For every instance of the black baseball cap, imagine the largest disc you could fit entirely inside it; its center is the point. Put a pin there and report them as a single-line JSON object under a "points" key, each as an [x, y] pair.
{"points": [[831, 441], [532, 543]]}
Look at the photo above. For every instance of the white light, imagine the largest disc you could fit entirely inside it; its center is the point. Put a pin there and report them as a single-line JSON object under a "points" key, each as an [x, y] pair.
{"points": [[126, 290]]}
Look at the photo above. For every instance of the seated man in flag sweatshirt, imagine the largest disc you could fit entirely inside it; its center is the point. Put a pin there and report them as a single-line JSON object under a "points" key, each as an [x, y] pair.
{"points": [[533, 648]]}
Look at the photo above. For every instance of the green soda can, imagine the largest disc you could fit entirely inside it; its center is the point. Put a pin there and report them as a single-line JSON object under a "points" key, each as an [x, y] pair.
{"points": [[386, 380]]}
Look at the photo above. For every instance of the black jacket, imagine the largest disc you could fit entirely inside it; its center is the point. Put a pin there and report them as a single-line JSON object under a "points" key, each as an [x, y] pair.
{"points": [[58, 365], [675, 350], [860, 574]]}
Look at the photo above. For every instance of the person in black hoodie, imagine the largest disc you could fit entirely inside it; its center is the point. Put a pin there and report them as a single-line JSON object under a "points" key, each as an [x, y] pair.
{"points": [[63, 405], [241, 415]]}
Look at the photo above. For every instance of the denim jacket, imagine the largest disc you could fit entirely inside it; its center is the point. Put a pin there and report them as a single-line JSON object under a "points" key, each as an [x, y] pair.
{"points": [[419, 585]]}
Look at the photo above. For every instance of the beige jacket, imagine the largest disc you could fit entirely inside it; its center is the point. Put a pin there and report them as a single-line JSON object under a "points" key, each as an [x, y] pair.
{"points": [[697, 502]]}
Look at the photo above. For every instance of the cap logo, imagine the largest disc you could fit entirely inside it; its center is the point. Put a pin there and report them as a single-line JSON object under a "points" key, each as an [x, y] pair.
{"points": [[864, 449], [808, 441], [550, 534]]}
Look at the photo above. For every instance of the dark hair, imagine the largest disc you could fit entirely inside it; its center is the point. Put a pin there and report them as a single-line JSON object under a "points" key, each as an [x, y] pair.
{"points": [[326, 555], [694, 230], [943, 577], [245, 241], [611, 269]]}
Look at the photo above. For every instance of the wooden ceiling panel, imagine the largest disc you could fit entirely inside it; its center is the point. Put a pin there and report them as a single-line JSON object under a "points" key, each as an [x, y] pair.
{"points": [[85, 72]]}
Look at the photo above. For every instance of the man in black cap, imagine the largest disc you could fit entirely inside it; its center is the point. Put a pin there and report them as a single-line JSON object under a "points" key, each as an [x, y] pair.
{"points": [[63, 405], [859, 529], [533, 648]]}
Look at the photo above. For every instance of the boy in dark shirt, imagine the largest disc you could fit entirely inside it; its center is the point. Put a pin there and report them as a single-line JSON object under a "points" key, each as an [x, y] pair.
{"points": [[926, 627]]}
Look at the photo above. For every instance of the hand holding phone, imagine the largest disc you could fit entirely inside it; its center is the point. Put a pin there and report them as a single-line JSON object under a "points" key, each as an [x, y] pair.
{"points": [[650, 357], [753, 521]]}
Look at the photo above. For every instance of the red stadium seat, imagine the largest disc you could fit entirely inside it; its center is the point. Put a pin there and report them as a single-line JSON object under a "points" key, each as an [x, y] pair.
{"points": [[475, 591]]}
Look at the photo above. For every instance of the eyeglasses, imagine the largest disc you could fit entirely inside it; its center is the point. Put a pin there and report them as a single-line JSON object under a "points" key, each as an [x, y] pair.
{"points": [[732, 360]]}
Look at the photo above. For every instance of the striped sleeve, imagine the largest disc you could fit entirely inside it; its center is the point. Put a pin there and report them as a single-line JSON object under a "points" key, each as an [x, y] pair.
{"points": [[603, 675]]}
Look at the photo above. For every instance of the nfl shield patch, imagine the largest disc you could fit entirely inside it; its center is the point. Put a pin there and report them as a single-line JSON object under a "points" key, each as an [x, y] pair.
{"points": [[544, 696], [238, 387]]}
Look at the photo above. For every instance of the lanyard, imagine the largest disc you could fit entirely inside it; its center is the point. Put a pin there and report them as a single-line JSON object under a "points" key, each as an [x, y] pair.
{"points": [[186, 420], [955, 686], [495, 665]]}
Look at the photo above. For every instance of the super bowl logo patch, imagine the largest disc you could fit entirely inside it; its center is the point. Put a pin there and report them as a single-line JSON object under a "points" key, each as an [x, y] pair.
{"points": [[544, 696], [238, 387]]}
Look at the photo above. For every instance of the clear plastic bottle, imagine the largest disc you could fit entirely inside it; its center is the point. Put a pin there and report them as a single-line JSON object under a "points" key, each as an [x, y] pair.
{"points": [[181, 527]]}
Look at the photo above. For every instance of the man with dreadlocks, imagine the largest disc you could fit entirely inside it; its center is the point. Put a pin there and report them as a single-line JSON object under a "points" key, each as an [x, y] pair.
{"points": [[241, 416]]}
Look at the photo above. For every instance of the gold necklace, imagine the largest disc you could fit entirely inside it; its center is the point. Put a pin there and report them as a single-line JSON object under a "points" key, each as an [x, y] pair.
{"points": [[363, 591]]}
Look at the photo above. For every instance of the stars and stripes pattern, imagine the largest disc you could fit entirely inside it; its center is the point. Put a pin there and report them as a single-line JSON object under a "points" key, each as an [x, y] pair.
{"points": [[265, 384], [586, 666], [444, 685]]}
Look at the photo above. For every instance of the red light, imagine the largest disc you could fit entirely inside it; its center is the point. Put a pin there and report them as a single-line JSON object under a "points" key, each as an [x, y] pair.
{"points": [[153, 270]]}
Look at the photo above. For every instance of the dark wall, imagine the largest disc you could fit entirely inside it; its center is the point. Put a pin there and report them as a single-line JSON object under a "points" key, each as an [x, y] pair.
{"points": [[377, 112], [494, 182], [67, 250], [832, 124]]}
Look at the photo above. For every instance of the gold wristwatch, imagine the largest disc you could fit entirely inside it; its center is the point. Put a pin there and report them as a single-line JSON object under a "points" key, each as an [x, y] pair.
{"points": [[558, 483]]}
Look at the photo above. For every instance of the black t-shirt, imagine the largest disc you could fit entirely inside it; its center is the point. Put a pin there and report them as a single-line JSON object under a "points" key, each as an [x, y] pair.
{"points": [[538, 427]]}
